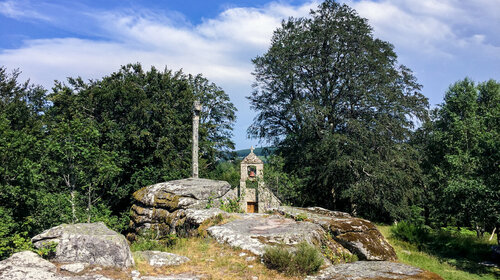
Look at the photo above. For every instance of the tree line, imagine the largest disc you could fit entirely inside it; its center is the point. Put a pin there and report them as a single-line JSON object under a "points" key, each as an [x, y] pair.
{"points": [[352, 132], [77, 154]]}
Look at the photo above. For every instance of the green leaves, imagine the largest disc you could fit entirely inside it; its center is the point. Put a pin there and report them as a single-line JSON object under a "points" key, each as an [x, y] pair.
{"points": [[341, 111], [81, 158], [463, 147]]}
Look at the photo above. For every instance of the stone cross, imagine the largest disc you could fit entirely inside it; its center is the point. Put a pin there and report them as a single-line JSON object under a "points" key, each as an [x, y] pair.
{"points": [[251, 149], [196, 123]]}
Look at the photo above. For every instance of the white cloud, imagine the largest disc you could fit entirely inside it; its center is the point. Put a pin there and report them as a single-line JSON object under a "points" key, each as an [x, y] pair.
{"points": [[442, 40], [18, 10], [441, 29]]}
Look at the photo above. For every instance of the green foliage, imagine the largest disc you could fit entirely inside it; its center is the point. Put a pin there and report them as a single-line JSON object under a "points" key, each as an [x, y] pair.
{"points": [[452, 267], [231, 205], [443, 242], [10, 240], [149, 241], [78, 153], [287, 187], [341, 111], [47, 250], [252, 184], [228, 171], [277, 258], [414, 233], [461, 145], [301, 217], [305, 260]]}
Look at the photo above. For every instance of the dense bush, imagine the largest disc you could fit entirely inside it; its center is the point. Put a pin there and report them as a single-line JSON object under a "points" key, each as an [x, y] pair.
{"points": [[414, 233], [443, 242], [305, 260], [150, 241]]}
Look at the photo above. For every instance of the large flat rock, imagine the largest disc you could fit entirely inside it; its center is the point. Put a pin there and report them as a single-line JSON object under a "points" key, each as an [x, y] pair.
{"points": [[92, 243], [253, 232], [373, 270], [182, 194], [359, 236]]}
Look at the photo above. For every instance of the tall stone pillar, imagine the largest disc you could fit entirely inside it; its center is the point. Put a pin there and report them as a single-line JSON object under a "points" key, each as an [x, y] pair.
{"points": [[196, 123]]}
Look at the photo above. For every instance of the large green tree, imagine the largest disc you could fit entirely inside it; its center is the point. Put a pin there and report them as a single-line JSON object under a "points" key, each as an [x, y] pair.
{"points": [[341, 110], [463, 160], [21, 173], [143, 120]]}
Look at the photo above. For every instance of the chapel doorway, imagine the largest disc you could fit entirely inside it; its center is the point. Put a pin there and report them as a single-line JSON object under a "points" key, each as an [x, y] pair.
{"points": [[252, 207]]}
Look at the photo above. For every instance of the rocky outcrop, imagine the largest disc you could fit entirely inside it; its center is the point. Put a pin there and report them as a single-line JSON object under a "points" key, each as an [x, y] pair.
{"points": [[359, 236], [158, 259], [373, 270], [28, 265], [91, 243], [254, 232], [74, 267], [163, 207]]}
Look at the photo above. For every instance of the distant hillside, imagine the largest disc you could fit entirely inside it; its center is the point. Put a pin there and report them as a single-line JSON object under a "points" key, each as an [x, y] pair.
{"points": [[260, 152]]}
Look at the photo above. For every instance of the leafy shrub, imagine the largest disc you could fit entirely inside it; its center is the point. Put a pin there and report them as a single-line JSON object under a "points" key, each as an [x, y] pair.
{"points": [[442, 242], [305, 260], [231, 205], [277, 258], [12, 236], [149, 241], [339, 256], [410, 232], [47, 250], [301, 217]]}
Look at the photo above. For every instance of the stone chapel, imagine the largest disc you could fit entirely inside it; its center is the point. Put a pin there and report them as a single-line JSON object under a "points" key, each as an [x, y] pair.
{"points": [[255, 197]]}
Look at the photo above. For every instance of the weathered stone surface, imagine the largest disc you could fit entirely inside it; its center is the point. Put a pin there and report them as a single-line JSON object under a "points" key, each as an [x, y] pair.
{"points": [[359, 236], [92, 243], [74, 267], [28, 265], [157, 258], [162, 208], [198, 217], [253, 232], [181, 193], [372, 270]]}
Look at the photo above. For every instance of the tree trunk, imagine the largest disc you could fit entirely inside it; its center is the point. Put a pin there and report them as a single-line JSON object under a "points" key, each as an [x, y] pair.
{"points": [[492, 234], [73, 208], [89, 203]]}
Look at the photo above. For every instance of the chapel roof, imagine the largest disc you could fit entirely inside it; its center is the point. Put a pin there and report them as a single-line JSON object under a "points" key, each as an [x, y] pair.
{"points": [[252, 158]]}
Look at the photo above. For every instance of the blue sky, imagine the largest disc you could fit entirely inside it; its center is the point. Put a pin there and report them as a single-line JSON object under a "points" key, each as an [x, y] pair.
{"points": [[442, 41]]}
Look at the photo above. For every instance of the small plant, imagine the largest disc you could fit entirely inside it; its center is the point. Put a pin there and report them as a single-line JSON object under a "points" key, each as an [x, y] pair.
{"points": [[305, 260], [301, 217], [47, 250], [231, 205], [210, 202], [148, 241], [411, 232], [277, 258]]}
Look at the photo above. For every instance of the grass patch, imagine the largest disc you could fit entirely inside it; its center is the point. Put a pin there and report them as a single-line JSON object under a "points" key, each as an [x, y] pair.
{"points": [[148, 242], [214, 261], [440, 259], [305, 260]]}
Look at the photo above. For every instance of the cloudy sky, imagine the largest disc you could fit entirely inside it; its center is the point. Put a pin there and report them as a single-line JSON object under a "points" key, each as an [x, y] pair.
{"points": [[442, 41]]}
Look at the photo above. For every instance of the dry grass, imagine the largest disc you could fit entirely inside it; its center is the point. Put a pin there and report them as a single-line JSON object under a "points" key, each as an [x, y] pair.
{"points": [[213, 261]]}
